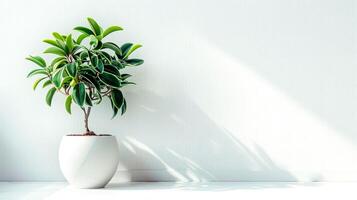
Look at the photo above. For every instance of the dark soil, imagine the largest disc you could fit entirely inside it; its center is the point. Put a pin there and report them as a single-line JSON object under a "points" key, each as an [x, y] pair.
{"points": [[90, 133]]}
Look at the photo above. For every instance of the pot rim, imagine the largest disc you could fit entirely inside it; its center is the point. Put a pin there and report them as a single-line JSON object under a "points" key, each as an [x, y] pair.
{"points": [[88, 136]]}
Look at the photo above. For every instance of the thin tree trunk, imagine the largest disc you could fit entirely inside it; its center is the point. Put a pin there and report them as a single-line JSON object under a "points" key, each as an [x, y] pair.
{"points": [[86, 117]]}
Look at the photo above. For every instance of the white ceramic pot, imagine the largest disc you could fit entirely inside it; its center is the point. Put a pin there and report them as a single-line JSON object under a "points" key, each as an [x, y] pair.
{"points": [[88, 161]]}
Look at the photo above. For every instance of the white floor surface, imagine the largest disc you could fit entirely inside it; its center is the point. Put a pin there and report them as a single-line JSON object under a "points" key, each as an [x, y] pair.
{"points": [[183, 191]]}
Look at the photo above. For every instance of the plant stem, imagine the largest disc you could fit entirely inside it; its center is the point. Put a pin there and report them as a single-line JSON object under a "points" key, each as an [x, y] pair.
{"points": [[88, 113], [106, 92], [86, 117], [65, 93]]}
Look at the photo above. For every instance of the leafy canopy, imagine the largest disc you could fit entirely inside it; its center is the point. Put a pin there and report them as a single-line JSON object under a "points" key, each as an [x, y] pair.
{"points": [[86, 73]]}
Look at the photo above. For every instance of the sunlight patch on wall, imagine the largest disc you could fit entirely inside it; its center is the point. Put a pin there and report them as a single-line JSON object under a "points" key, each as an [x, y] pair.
{"points": [[258, 112]]}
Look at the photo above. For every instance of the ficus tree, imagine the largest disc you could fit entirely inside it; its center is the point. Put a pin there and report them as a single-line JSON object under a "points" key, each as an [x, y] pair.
{"points": [[86, 69]]}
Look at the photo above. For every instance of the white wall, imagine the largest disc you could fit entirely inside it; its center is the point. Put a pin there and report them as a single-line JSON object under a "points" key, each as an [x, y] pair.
{"points": [[230, 90]]}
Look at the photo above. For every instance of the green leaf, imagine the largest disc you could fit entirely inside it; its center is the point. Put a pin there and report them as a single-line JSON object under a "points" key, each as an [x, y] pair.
{"points": [[37, 71], [109, 79], [58, 62], [115, 109], [100, 66], [81, 38], [58, 59], [92, 81], [117, 64], [94, 25], [58, 36], [134, 61], [123, 107], [79, 94], [112, 69], [130, 50], [49, 95], [84, 30], [57, 78], [99, 45], [71, 69], [94, 60], [65, 80], [124, 83], [100, 37], [125, 47], [52, 42], [97, 63], [55, 50], [46, 83], [76, 48], [37, 60], [112, 46], [111, 30], [124, 76], [73, 82], [62, 45], [106, 56], [88, 101], [68, 104], [83, 55], [58, 65], [93, 41], [117, 98], [88, 69], [69, 43], [34, 86]]}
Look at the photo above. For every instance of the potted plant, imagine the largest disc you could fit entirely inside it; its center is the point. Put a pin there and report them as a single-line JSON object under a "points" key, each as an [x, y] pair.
{"points": [[85, 70]]}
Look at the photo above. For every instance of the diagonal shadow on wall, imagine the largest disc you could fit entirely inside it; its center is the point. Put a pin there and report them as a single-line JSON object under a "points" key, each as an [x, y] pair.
{"points": [[167, 144]]}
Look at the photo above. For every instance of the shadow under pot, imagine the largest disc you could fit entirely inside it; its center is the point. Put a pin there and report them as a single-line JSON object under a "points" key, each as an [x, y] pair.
{"points": [[88, 161]]}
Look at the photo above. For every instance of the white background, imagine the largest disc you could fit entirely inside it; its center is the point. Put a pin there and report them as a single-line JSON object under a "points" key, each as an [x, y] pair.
{"points": [[230, 90]]}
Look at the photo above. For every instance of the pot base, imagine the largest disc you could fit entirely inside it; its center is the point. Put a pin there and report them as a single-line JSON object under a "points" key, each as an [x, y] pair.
{"points": [[88, 162]]}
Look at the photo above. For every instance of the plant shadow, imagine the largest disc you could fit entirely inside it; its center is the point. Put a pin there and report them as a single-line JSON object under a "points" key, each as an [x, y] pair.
{"points": [[168, 144]]}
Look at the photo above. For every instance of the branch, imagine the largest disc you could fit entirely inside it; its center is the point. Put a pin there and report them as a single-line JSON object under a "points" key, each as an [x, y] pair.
{"points": [[107, 92], [67, 90], [84, 110], [88, 111], [64, 93], [108, 89]]}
